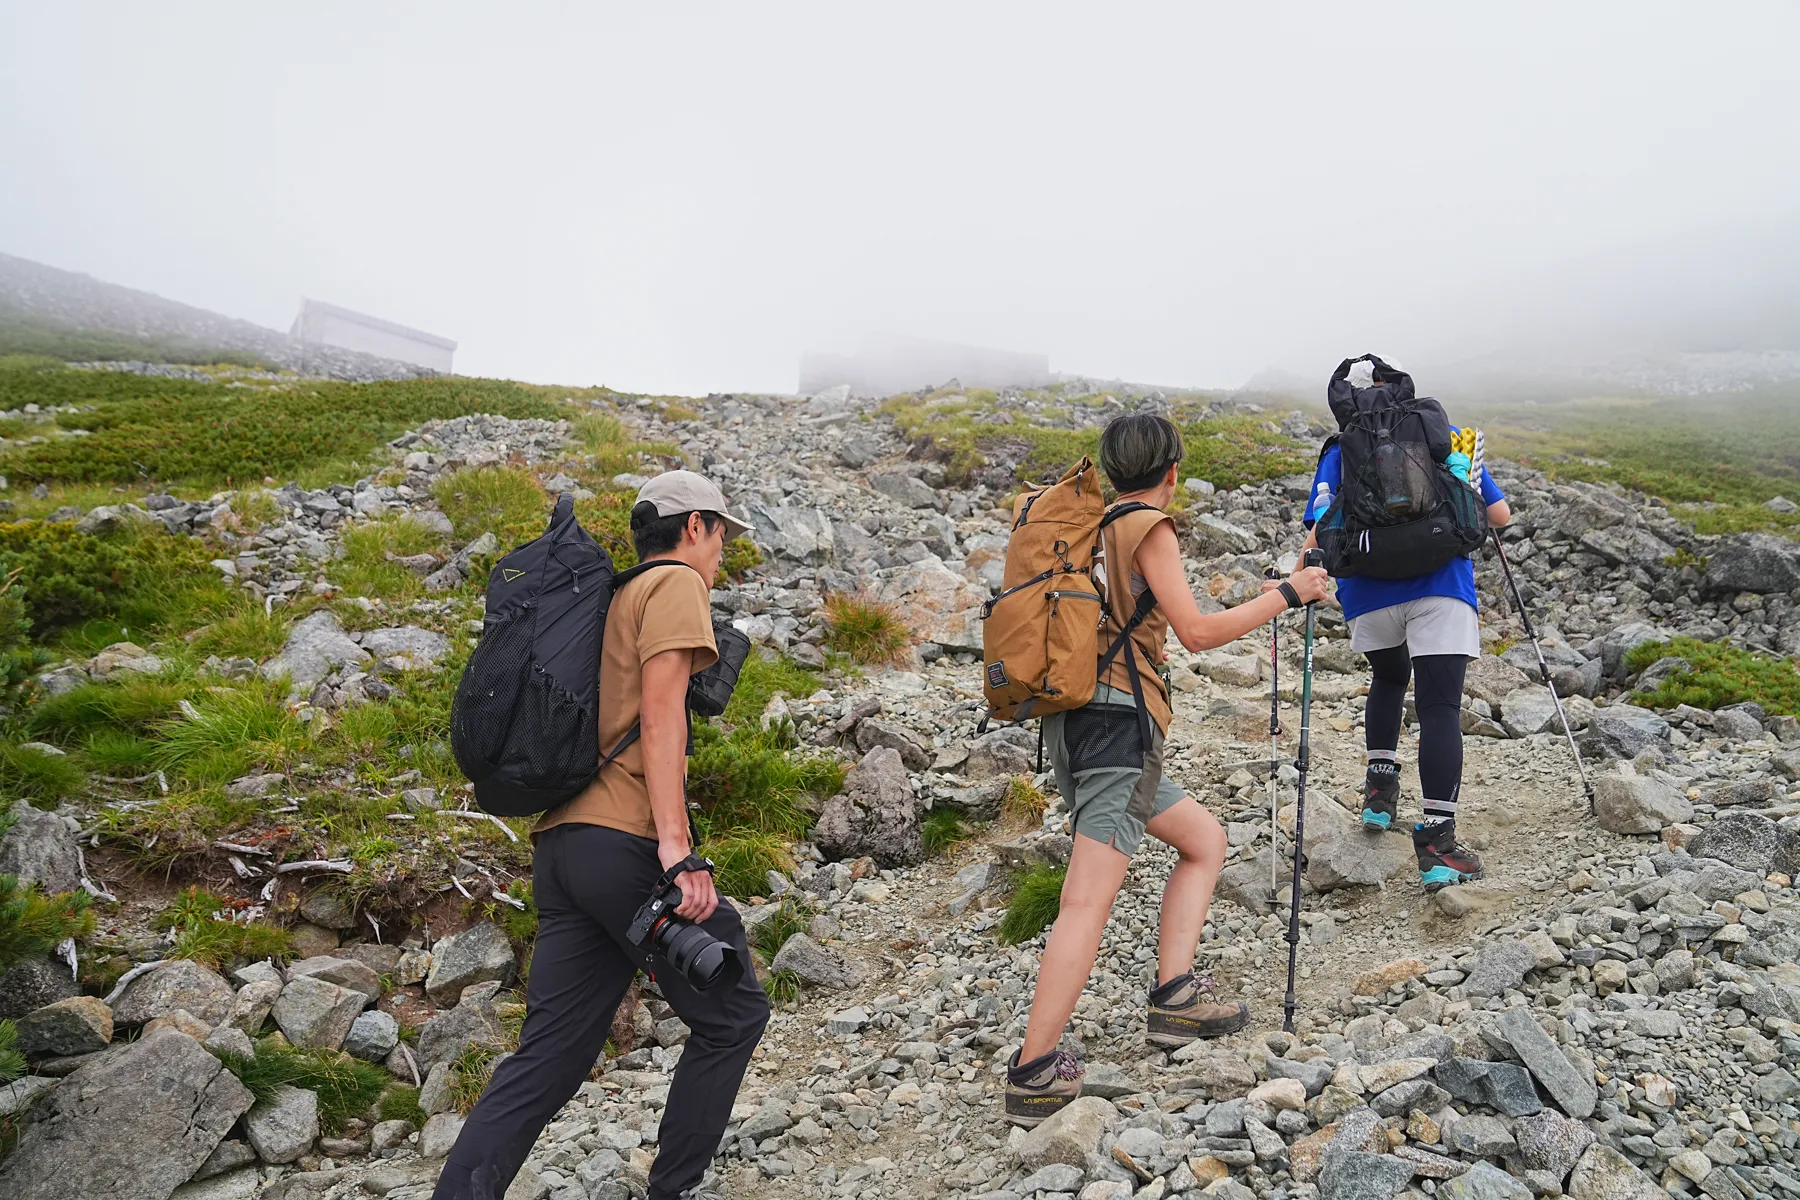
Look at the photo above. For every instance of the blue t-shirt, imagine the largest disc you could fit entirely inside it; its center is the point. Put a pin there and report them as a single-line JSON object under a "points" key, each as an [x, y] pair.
{"points": [[1359, 595]]}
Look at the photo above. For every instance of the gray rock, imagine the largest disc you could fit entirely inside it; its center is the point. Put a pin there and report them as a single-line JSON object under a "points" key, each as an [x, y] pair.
{"points": [[228, 1155], [1403, 1098], [815, 964], [1638, 804], [1623, 731], [1549, 1141], [1492, 680], [132, 1125], [243, 1183], [372, 1036], [40, 848], [253, 1004], [1109, 1082], [1508, 1088], [248, 787], [22, 1093], [1736, 725], [434, 1094], [284, 1126], [792, 532], [767, 1121], [1479, 1136], [439, 1135], [1531, 709], [1349, 857], [1209, 536], [420, 647], [1009, 750], [316, 646], [179, 984], [1483, 1181], [314, 1013], [1722, 881], [1313, 1075], [329, 908], [1754, 562], [915, 753], [1499, 968], [1605, 1174], [1573, 1089], [1056, 1177], [473, 1022], [78, 1025], [1746, 840], [32, 983], [849, 1021], [1359, 1175], [1069, 1137], [478, 954], [345, 972], [905, 489], [229, 1039], [876, 814]]}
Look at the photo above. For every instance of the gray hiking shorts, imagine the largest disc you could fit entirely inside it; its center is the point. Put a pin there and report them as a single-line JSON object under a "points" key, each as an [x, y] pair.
{"points": [[1430, 625], [1111, 786]]}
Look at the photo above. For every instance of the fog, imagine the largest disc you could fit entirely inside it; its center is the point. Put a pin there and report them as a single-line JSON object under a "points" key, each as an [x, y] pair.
{"points": [[687, 198]]}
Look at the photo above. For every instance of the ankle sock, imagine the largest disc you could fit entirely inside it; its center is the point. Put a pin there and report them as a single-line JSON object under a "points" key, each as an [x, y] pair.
{"points": [[1383, 770], [1025, 1070], [1431, 827], [1165, 991]]}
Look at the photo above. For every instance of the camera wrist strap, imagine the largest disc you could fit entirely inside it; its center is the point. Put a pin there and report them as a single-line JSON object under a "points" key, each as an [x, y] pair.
{"points": [[692, 862]]}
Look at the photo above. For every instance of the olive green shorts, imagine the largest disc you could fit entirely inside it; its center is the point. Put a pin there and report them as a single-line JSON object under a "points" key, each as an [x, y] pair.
{"points": [[1099, 759]]}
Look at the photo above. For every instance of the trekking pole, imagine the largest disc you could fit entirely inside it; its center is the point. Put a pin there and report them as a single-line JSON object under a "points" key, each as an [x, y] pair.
{"points": [[1544, 669], [1274, 732], [1313, 558]]}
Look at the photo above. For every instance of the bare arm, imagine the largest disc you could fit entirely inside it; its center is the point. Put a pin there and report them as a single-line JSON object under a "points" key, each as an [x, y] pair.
{"points": [[663, 715], [1159, 562], [1499, 514]]}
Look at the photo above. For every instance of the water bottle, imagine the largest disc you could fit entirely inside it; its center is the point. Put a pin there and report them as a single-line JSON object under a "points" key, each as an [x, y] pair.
{"points": [[1459, 464], [1321, 502]]}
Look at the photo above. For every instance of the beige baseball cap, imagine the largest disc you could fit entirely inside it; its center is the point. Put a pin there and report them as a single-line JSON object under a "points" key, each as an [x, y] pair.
{"points": [[684, 491]]}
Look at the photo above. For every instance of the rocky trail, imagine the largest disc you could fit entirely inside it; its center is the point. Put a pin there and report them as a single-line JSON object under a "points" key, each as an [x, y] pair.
{"points": [[1610, 1013]]}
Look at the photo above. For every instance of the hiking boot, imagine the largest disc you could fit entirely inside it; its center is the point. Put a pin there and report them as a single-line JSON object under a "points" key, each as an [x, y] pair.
{"points": [[1041, 1088], [1180, 1013], [1442, 860], [1381, 798]]}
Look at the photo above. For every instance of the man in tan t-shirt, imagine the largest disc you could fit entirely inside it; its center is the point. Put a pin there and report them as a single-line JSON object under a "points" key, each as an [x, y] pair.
{"points": [[598, 858]]}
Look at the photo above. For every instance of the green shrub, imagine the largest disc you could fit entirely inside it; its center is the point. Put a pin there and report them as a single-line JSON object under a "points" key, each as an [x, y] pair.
{"points": [[52, 342], [207, 434], [20, 660], [218, 943], [507, 502], [868, 631], [1036, 900], [782, 988], [772, 933], [469, 1074], [366, 570], [346, 1086], [229, 731], [250, 632], [1718, 675], [32, 923], [751, 781], [134, 705], [520, 925], [762, 678], [12, 1063], [1023, 803], [191, 906], [742, 859], [36, 775], [607, 516], [942, 829], [401, 1103], [66, 576]]}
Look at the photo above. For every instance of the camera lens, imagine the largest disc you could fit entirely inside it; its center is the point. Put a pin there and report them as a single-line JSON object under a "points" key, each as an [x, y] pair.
{"points": [[697, 954]]}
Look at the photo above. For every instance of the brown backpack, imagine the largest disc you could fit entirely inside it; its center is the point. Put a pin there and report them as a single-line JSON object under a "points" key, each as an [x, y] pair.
{"points": [[1040, 634]]}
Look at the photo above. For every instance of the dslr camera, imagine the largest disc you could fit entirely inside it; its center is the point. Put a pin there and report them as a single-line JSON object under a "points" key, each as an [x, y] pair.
{"points": [[701, 958]]}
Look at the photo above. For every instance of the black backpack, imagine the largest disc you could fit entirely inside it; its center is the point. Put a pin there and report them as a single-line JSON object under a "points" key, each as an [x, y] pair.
{"points": [[1399, 511], [524, 724]]}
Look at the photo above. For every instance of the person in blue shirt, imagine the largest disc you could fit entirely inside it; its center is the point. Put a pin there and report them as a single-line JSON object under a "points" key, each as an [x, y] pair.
{"points": [[1424, 628]]}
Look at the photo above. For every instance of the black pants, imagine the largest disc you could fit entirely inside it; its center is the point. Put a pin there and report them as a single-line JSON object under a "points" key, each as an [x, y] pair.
{"points": [[1437, 694], [587, 881]]}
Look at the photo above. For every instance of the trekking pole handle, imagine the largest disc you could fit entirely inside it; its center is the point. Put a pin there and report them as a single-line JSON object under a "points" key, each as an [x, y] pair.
{"points": [[1314, 557]]}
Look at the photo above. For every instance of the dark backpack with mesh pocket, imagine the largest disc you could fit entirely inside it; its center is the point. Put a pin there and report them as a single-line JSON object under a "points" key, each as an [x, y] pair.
{"points": [[1399, 511], [524, 725]]}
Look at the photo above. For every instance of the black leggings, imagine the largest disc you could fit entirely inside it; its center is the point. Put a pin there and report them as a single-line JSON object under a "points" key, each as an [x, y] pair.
{"points": [[1438, 697]]}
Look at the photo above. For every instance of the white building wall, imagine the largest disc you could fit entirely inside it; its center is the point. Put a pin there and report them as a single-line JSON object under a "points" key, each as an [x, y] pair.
{"points": [[328, 325]]}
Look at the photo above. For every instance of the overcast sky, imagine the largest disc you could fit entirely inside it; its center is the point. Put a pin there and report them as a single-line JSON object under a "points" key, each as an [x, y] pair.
{"points": [[686, 197]]}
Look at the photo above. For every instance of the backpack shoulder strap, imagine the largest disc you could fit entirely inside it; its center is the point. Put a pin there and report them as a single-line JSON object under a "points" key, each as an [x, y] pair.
{"points": [[1120, 510], [626, 576]]}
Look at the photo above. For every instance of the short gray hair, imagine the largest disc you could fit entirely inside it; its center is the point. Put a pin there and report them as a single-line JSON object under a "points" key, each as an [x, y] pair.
{"points": [[1136, 449]]}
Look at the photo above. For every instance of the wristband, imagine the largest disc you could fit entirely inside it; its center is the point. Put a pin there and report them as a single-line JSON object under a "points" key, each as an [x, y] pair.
{"points": [[1289, 594]]}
